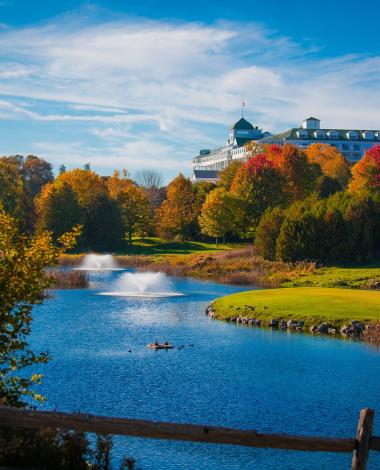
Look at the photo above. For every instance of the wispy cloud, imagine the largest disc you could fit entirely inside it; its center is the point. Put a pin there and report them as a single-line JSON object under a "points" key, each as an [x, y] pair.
{"points": [[153, 92]]}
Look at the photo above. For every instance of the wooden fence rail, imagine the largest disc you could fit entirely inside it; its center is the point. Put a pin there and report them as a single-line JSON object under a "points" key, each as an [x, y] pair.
{"points": [[364, 441]]}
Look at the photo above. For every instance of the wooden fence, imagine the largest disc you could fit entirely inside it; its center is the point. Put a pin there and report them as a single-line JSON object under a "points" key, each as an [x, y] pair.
{"points": [[359, 446]]}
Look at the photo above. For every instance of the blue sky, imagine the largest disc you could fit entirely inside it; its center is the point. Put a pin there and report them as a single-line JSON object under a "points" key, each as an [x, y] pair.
{"points": [[143, 83]]}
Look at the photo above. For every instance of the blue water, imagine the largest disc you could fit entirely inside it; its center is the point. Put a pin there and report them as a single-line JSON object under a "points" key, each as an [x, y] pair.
{"points": [[234, 376]]}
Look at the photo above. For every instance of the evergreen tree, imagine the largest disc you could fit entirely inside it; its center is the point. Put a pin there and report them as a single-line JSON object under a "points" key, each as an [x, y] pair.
{"points": [[268, 231], [300, 237], [103, 228]]}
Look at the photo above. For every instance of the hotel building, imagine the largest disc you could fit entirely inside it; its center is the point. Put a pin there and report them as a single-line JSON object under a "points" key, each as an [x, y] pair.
{"points": [[352, 143]]}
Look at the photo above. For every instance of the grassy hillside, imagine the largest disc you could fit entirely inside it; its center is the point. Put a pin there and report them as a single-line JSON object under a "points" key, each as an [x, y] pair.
{"points": [[314, 305], [159, 246], [362, 277]]}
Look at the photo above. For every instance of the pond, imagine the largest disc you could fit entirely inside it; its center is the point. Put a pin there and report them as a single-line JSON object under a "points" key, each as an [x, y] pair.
{"points": [[234, 376]]}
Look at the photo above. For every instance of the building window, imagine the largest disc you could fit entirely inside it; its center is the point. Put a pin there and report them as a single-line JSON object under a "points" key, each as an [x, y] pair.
{"points": [[333, 135], [353, 135]]}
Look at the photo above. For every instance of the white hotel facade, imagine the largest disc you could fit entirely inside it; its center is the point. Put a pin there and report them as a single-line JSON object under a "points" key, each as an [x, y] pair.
{"points": [[352, 143]]}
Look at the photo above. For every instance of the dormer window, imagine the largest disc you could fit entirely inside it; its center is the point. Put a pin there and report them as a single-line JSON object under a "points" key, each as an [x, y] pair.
{"points": [[368, 135], [333, 135], [352, 135], [302, 134], [319, 134]]}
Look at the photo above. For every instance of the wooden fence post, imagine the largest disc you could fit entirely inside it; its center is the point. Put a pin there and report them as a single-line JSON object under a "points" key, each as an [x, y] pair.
{"points": [[363, 436]]}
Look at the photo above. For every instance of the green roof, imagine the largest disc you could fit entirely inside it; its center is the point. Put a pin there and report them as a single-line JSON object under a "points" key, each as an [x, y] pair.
{"points": [[242, 124]]}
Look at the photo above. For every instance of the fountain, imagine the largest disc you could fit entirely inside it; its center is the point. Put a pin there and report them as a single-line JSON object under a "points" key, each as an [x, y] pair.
{"points": [[142, 285], [99, 263]]}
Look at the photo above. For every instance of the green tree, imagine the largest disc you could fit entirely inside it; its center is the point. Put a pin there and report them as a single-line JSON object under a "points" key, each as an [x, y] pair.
{"points": [[299, 237], [103, 226], [217, 215], [268, 231]]}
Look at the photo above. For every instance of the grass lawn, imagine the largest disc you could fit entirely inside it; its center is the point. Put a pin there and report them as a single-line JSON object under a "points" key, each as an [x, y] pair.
{"points": [[362, 277], [158, 246], [314, 305]]}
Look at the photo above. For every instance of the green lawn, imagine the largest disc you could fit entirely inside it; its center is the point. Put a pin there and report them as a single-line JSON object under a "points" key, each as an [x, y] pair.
{"points": [[159, 246], [311, 304], [362, 277]]}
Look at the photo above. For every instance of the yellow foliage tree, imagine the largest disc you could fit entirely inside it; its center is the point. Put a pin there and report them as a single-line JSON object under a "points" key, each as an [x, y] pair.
{"points": [[217, 215], [23, 281]]}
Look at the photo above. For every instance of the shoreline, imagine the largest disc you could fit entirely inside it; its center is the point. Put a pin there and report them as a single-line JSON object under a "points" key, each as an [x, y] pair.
{"points": [[350, 313]]}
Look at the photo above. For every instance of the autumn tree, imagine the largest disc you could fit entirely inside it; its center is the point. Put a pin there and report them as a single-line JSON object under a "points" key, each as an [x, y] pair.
{"points": [[366, 172], [257, 185], [133, 203], [300, 175], [177, 214], [332, 162], [58, 209], [37, 173], [227, 175], [14, 196], [86, 184], [217, 214], [23, 280]]}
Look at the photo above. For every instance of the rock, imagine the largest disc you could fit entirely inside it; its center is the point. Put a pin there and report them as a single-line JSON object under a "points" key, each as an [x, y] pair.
{"points": [[283, 324], [357, 325], [332, 331], [273, 323], [258, 322], [238, 320], [313, 328], [323, 328], [301, 323]]}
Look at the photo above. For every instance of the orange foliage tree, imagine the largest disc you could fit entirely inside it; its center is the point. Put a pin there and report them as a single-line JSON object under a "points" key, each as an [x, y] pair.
{"points": [[331, 161], [292, 163], [86, 184], [177, 215], [366, 172]]}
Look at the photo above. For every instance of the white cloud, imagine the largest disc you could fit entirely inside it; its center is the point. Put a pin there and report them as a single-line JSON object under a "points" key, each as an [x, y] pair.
{"points": [[171, 88]]}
